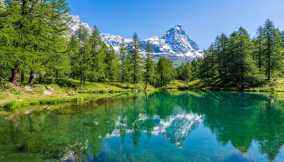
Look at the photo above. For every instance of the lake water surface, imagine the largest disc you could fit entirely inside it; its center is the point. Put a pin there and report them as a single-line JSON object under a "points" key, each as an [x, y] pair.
{"points": [[162, 127]]}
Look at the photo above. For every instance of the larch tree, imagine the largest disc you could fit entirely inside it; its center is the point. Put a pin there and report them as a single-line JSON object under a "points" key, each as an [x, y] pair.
{"points": [[137, 60], [272, 49], [149, 67], [165, 71], [123, 53]]}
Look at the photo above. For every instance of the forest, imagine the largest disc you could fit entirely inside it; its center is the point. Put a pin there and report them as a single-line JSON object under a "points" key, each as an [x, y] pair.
{"points": [[36, 48]]}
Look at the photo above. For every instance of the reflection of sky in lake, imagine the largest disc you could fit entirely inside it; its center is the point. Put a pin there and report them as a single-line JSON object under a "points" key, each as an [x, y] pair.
{"points": [[175, 128], [183, 136], [198, 144], [202, 127]]}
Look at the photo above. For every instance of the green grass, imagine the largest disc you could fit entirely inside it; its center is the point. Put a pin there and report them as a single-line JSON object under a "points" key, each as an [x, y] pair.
{"points": [[14, 97], [276, 85]]}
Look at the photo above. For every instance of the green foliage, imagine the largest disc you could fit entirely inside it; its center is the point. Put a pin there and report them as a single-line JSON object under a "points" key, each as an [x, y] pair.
{"points": [[66, 83], [112, 66], [272, 53], [97, 54], [128, 69], [149, 66], [32, 37], [165, 71], [11, 106], [92, 60], [34, 48], [123, 55], [137, 61], [239, 62], [184, 72]]}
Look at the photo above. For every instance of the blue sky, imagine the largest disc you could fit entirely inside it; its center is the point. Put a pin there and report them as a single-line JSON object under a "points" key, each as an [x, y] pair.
{"points": [[202, 19]]}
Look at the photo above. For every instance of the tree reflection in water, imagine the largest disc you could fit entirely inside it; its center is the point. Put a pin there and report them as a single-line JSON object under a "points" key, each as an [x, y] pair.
{"points": [[200, 126]]}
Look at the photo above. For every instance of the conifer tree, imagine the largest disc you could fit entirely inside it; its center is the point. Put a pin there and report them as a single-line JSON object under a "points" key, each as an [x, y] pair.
{"points": [[272, 49], [54, 33], [112, 65], [184, 72], [282, 36], [149, 66], [34, 30], [208, 68], [137, 61], [259, 49], [123, 53], [73, 50], [97, 51], [222, 56], [100, 66], [128, 66], [165, 71], [244, 65], [80, 58]]}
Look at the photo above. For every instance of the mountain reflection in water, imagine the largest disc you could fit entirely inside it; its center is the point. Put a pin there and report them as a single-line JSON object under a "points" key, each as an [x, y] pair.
{"points": [[203, 126]]}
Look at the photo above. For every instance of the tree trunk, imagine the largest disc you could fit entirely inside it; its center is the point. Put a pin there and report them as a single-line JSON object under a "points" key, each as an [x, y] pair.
{"points": [[31, 78], [40, 79], [146, 86], [22, 76], [269, 68], [14, 74]]}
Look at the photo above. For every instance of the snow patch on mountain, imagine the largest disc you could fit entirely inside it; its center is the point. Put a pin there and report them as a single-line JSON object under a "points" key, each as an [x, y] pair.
{"points": [[75, 24], [174, 44]]}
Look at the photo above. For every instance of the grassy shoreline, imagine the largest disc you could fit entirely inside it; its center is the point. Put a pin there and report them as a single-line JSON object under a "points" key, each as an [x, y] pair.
{"points": [[274, 86], [13, 97]]}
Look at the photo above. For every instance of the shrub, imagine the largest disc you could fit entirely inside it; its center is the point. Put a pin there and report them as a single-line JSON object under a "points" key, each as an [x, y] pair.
{"points": [[66, 83], [3, 84], [11, 106]]}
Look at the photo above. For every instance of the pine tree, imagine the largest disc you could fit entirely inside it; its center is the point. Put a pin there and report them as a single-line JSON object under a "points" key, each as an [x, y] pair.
{"points": [[244, 64], [123, 57], [97, 51], [208, 68], [195, 70], [222, 55], [259, 49], [184, 72], [137, 61], [112, 66], [34, 30], [149, 67], [272, 48], [282, 36], [229, 61], [80, 58], [73, 50], [128, 74], [53, 32], [165, 71], [99, 64]]}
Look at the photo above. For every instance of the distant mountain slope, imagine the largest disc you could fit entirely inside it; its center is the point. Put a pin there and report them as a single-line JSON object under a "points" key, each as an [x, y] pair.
{"points": [[174, 44]]}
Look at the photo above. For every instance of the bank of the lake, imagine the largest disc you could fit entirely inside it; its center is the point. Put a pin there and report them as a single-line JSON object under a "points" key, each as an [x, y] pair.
{"points": [[14, 97], [273, 86]]}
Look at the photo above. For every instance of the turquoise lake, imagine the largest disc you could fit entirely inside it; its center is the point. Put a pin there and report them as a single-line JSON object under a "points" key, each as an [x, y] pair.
{"points": [[161, 127]]}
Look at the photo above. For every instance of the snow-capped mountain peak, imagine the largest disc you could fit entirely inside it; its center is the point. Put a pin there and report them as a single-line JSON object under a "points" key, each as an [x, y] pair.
{"points": [[174, 44], [75, 24], [179, 40]]}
